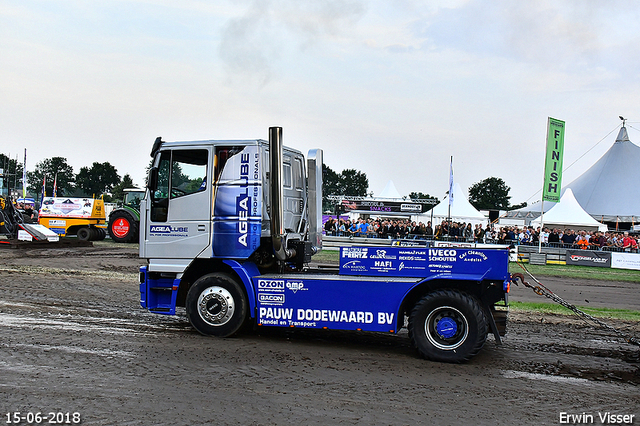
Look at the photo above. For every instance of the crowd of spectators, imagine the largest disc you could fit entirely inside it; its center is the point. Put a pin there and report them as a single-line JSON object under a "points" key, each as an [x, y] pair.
{"points": [[489, 234]]}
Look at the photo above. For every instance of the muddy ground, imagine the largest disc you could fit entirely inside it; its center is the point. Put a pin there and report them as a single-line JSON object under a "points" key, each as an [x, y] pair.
{"points": [[74, 339]]}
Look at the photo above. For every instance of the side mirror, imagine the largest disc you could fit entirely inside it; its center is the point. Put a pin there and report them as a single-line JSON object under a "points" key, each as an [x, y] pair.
{"points": [[152, 181]]}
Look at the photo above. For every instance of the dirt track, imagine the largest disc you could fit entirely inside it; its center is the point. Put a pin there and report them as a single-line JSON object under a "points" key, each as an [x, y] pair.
{"points": [[74, 339]]}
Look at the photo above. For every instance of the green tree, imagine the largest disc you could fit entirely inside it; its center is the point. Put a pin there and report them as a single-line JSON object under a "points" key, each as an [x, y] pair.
{"points": [[518, 206], [423, 196], [330, 183], [117, 193], [52, 167], [348, 182], [98, 179], [490, 194], [354, 183]]}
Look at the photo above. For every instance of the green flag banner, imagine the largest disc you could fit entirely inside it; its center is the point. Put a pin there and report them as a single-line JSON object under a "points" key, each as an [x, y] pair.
{"points": [[553, 161]]}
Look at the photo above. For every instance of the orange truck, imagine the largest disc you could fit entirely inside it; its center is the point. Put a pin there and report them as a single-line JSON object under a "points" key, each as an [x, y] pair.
{"points": [[83, 217]]}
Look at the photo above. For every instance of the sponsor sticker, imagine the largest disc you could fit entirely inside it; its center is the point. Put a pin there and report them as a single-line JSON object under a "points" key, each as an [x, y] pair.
{"points": [[296, 286], [355, 252], [271, 299], [271, 285], [168, 230]]}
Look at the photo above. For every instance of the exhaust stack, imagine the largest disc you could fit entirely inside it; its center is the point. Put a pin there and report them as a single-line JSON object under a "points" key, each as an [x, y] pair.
{"points": [[275, 189]]}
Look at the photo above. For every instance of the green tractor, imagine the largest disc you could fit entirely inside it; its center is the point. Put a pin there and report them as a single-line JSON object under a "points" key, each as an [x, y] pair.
{"points": [[124, 222]]}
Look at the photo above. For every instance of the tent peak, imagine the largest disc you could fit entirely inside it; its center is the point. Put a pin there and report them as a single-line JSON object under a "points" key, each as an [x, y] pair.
{"points": [[390, 191], [622, 135]]}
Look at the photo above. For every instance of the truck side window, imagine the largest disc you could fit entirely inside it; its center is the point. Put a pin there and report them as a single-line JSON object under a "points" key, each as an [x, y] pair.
{"points": [[297, 174], [188, 172], [180, 173], [286, 171]]}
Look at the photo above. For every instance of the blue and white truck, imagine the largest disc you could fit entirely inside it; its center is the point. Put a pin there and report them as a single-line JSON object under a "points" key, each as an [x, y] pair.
{"points": [[228, 230]]}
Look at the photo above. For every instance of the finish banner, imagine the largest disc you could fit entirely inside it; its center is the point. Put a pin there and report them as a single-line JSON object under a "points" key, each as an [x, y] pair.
{"points": [[553, 161], [589, 258]]}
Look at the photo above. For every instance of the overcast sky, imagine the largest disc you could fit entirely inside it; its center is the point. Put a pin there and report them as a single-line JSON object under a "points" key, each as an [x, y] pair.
{"points": [[391, 88]]}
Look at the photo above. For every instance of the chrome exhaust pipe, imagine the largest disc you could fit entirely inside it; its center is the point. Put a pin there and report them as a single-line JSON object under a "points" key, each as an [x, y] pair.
{"points": [[276, 212]]}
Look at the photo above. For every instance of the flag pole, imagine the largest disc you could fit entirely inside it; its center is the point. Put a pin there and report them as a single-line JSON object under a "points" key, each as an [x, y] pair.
{"points": [[450, 196]]}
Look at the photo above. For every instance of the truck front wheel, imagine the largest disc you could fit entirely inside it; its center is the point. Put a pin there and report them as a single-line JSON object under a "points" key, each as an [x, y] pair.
{"points": [[216, 305], [448, 326]]}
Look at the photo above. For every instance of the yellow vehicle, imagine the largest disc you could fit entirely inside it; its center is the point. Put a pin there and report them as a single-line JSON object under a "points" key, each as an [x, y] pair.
{"points": [[84, 217]]}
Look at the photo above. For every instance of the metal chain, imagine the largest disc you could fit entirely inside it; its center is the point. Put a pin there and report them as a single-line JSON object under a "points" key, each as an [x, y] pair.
{"points": [[541, 290]]}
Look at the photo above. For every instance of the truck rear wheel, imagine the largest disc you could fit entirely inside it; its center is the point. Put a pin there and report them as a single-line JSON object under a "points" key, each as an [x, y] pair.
{"points": [[448, 326], [216, 305], [123, 227]]}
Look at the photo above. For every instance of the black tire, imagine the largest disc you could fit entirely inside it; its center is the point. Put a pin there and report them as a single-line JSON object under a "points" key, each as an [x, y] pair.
{"points": [[84, 233], [216, 305], [123, 227], [448, 326]]}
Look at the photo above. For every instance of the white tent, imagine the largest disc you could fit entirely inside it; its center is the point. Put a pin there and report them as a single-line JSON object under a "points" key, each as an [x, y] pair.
{"points": [[461, 209], [609, 189], [569, 214], [390, 192]]}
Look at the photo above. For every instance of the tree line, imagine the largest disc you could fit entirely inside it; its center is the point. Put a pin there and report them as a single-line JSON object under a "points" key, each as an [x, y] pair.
{"points": [[97, 180], [103, 179]]}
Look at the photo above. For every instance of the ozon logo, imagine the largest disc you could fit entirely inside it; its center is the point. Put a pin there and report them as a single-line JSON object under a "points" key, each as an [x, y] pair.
{"points": [[272, 285]]}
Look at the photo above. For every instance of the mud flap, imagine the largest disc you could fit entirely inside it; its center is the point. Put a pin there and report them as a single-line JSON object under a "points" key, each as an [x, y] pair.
{"points": [[492, 324]]}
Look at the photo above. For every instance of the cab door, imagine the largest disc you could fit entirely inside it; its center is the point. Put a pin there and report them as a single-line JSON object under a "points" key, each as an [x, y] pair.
{"points": [[179, 205]]}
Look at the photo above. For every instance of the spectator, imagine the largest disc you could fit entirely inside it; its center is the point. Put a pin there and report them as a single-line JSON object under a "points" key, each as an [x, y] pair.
{"points": [[478, 234], [342, 228], [568, 237], [544, 236], [628, 243], [353, 229], [599, 241], [468, 233], [328, 226], [428, 230], [28, 214], [489, 235], [582, 241], [438, 234]]}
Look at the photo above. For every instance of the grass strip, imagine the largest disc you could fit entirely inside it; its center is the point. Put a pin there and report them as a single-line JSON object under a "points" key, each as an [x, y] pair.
{"points": [[553, 308], [574, 271]]}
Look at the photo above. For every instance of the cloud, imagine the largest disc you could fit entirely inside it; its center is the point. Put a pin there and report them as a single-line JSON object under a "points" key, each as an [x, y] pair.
{"points": [[252, 42]]}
